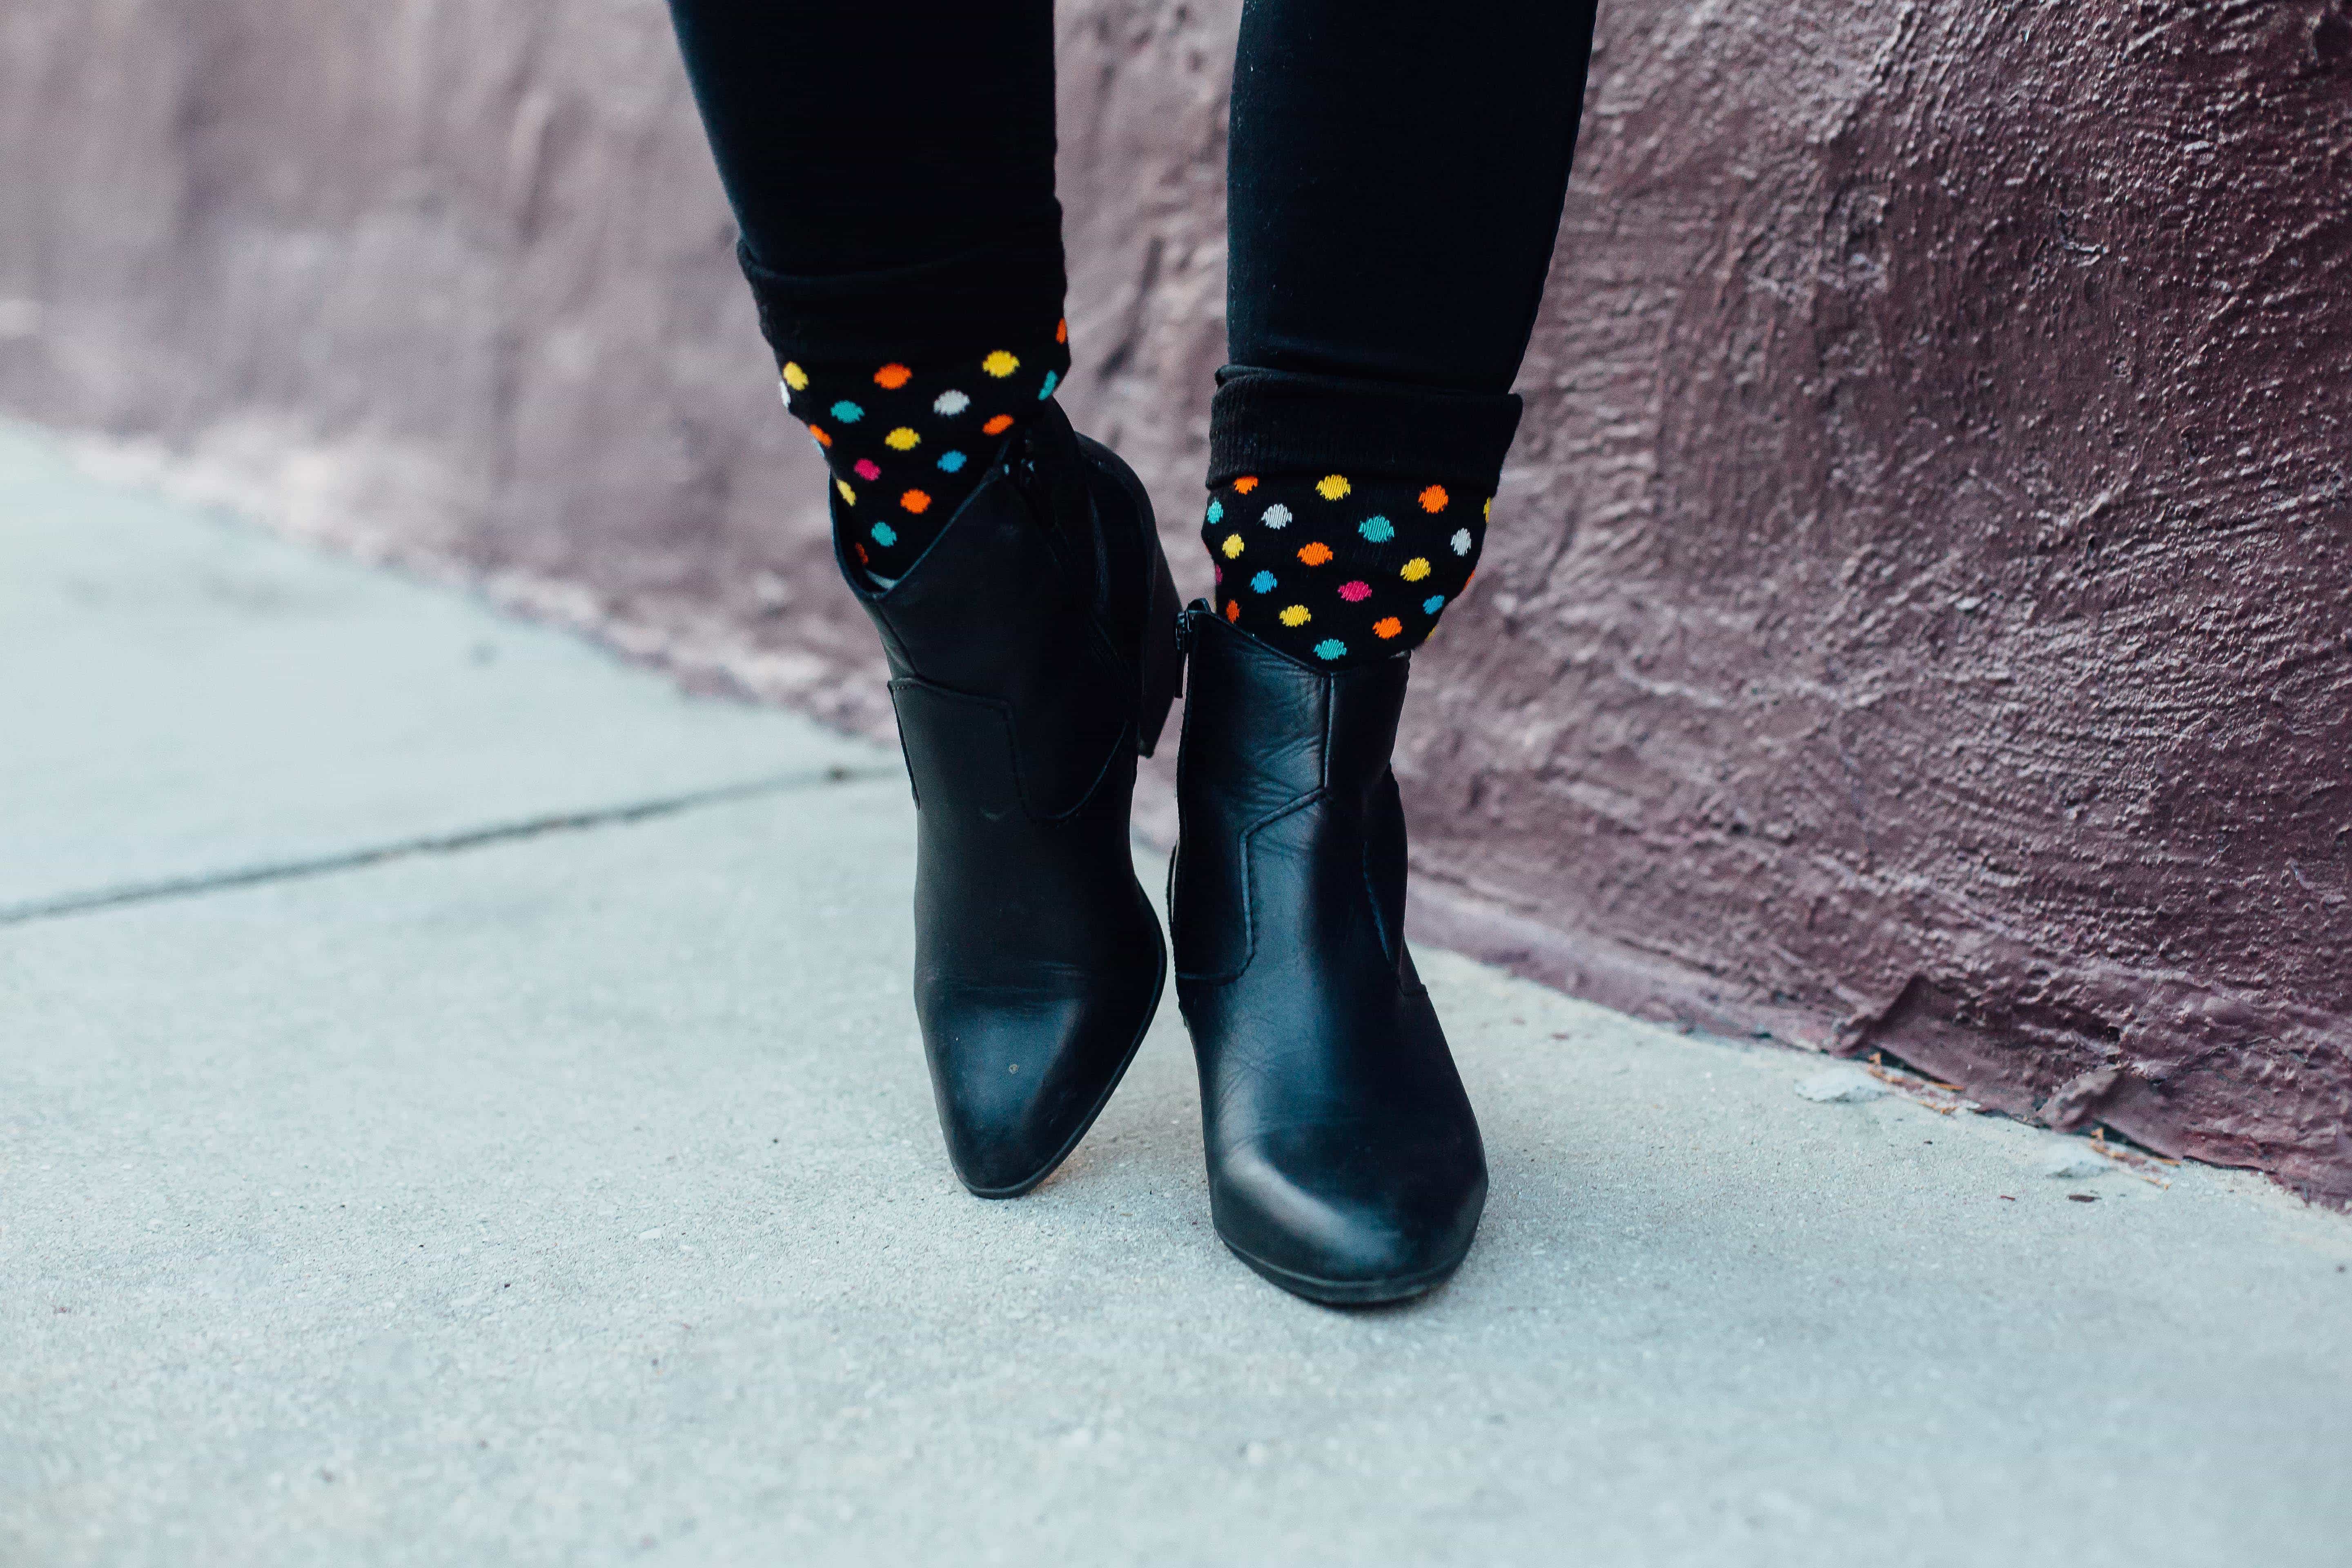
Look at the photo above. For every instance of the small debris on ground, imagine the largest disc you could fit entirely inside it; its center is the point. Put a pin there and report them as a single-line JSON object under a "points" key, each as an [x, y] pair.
{"points": [[1841, 1086], [2073, 1160]]}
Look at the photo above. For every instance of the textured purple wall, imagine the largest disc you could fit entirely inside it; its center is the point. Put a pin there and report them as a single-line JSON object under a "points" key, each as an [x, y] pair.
{"points": [[1920, 616]]}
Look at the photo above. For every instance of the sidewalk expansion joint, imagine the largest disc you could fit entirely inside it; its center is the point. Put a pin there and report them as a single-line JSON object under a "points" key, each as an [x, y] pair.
{"points": [[432, 844]]}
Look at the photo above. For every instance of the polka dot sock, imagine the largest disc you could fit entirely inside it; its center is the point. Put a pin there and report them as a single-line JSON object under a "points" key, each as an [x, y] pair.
{"points": [[908, 443], [1336, 571]]}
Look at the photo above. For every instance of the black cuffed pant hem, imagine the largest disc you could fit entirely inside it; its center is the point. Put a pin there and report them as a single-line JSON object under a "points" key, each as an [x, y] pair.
{"points": [[1282, 422], [1005, 296]]}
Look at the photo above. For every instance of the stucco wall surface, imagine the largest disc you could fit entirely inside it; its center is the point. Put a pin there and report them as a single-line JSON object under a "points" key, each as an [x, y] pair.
{"points": [[1918, 617]]}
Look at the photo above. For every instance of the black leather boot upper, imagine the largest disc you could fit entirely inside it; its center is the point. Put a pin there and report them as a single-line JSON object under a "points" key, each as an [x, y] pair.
{"points": [[1031, 654], [1344, 1161]]}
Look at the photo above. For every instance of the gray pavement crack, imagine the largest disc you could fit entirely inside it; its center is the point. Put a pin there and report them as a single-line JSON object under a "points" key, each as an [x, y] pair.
{"points": [[619, 815]]}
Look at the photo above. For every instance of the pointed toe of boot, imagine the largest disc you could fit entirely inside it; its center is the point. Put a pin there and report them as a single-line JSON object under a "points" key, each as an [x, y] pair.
{"points": [[1021, 1075], [1348, 1216]]}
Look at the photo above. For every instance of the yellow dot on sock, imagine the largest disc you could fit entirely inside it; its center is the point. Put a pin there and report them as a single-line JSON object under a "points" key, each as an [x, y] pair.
{"points": [[1489, 512], [902, 440], [846, 493], [795, 377], [1415, 569], [1331, 487], [1233, 545], [1000, 365], [1296, 616]]}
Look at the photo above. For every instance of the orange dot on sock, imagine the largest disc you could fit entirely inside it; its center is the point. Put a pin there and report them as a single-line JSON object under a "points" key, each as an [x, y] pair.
{"points": [[915, 502], [1062, 330], [859, 551], [999, 425], [1387, 626], [1317, 553], [822, 438], [891, 378], [1242, 486], [1233, 609], [1433, 499]]}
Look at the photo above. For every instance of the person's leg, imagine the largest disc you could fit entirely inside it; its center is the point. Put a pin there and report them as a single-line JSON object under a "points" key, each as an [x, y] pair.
{"points": [[1396, 175], [891, 169]]}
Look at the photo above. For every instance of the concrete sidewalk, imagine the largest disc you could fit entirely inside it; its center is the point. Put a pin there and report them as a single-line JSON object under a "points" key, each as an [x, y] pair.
{"points": [[459, 1104]]}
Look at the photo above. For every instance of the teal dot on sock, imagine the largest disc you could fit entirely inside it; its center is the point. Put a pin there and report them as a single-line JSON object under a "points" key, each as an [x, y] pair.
{"points": [[1378, 529], [885, 535], [951, 462], [1263, 583], [1216, 511], [848, 413], [1047, 391], [1434, 604], [1330, 647]]}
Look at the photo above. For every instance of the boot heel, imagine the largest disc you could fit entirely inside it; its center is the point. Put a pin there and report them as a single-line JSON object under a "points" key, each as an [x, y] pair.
{"points": [[1164, 660]]}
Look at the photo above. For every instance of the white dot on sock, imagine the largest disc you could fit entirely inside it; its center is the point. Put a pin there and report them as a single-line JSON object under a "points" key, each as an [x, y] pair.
{"points": [[1276, 516], [950, 403], [1461, 542]]}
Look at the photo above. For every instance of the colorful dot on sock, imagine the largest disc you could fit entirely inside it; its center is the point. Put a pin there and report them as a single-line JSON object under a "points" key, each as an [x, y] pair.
{"points": [[1487, 511], [1414, 570], [1331, 487], [848, 413], [822, 438], [1460, 542], [1233, 609], [846, 493], [1276, 516], [864, 469], [788, 395], [1001, 364], [1433, 499], [998, 425], [795, 377], [902, 439], [1232, 546], [1062, 330], [1434, 604], [1243, 485], [1314, 554], [915, 502], [949, 404], [1377, 528], [951, 462], [1386, 628], [1047, 391], [1296, 616], [1216, 511], [885, 535], [1355, 592], [1262, 584], [891, 378], [1330, 647]]}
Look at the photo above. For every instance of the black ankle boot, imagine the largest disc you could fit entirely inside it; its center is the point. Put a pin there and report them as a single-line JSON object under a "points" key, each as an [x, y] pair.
{"points": [[1344, 1161], [1032, 650]]}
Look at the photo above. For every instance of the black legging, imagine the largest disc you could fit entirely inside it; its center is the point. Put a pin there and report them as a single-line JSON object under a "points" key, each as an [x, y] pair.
{"points": [[1396, 175]]}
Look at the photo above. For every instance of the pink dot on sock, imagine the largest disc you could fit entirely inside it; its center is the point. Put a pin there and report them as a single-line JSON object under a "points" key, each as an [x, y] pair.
{"points": [[1355, 592], [866, 470]]}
